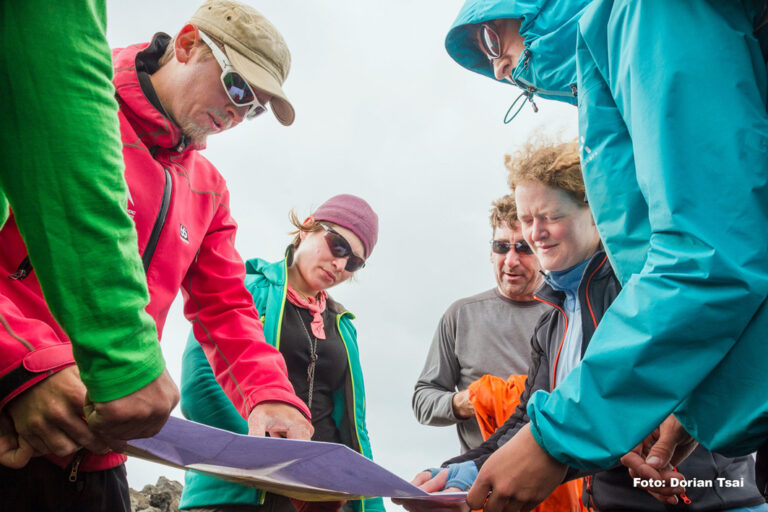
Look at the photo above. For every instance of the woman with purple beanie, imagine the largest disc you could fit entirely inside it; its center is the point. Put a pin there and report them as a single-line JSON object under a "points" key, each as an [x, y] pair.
{"points": [[318, 342]]}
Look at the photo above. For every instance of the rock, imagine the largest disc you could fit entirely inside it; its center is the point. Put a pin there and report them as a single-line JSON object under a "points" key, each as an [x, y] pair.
{"points": [[161, 497]]}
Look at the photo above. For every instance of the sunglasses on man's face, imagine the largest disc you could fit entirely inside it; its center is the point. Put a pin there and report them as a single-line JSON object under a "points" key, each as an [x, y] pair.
{"points": [[490, 41], [340, 248], [238, 90], [503, 247]]}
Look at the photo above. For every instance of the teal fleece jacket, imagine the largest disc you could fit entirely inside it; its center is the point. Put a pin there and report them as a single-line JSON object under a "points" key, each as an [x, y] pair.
{"points": [[203, 400]]}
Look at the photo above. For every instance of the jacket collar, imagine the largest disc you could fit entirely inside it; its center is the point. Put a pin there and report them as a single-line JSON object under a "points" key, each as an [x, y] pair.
{"points": [[275, 274], [547, 293], [138, 101]]}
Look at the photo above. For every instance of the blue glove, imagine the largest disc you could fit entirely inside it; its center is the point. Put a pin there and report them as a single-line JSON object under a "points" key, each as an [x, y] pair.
{"points": [[460, 474]]}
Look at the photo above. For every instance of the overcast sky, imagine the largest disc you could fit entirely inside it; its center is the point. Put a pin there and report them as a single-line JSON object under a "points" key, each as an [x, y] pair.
{"points": [[384, 113]]}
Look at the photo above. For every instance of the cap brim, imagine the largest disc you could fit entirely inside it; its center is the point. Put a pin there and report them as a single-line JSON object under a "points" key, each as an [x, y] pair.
{"points": [[260, 78]]}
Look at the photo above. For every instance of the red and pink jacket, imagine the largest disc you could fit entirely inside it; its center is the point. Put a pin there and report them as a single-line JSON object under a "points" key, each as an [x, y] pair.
{"points": [[180, 205]]}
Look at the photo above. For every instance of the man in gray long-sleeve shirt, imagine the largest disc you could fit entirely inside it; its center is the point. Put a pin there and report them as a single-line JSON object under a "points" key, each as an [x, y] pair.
{"points": [[488, 333]]}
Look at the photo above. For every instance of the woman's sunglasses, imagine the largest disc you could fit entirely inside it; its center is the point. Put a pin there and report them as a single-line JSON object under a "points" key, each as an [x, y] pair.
{"points": [[490, 42], [238, 90], [503, 247], [340, 248]]}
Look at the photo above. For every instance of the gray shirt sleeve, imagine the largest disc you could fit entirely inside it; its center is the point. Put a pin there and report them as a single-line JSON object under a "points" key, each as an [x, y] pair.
{"points": [[433, 394]]}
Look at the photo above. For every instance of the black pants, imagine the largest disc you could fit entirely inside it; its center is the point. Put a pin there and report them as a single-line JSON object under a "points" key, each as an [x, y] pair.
{"points": [[42, 486], [272, 503]]}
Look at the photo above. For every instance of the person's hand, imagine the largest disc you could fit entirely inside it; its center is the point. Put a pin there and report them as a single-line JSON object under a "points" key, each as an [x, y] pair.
{"points": [[279, 420], [140, 414], [462, 407], [457, 477], [48, 417], [655, 458], [518, 476], [15, 452], [433, 481]]}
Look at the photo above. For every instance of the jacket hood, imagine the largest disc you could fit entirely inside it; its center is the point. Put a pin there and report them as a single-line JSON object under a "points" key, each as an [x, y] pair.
{"points": [[548, 28], [274, 272], [152, 125]]}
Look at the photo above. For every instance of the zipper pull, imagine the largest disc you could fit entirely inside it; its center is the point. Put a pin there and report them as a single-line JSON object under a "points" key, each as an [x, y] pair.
{"points": [[533, 103], [527, 56], [684, 496], [575, 90], [78, 458]]}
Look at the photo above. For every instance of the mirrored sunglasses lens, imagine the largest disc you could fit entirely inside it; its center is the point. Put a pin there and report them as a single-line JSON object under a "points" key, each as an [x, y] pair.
{"points": [[354, 263], [238, 89], [256, 111], [491, 42], [522, 247], [338, 246], [500, 247]]}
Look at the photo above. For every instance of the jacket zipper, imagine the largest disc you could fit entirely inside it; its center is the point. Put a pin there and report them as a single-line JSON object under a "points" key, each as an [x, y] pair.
{"points": [[526, 85], [78, 458], [682, 495], [562, 342], [149, 250], [23, 270], [589, 280], [354, 400]]}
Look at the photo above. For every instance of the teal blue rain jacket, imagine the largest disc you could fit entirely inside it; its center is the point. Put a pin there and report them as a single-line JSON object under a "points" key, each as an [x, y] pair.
{"points": [[203, 400], [674, 141]]}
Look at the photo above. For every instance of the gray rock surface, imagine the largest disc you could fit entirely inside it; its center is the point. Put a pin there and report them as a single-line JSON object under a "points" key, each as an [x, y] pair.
{"points": [[161, 497]]}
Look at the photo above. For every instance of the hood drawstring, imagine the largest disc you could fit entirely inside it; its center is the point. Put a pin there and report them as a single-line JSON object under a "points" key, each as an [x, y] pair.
{"points": [[527, 93]]}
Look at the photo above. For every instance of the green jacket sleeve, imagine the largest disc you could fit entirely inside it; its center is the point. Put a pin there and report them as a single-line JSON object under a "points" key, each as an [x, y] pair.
{"points": [[61, 170], [683, 335]]}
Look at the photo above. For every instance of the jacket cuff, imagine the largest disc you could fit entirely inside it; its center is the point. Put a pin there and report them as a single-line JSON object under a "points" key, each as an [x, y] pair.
{"points": [[276, 396], [36, 366]]}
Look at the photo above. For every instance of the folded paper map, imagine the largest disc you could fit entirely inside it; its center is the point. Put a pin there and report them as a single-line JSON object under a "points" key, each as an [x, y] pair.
{"points": [[307, 470]]}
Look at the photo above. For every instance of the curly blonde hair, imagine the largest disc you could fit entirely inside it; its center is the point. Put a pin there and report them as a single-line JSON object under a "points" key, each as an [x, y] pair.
{"points": [[503, 211], [555, 165]]}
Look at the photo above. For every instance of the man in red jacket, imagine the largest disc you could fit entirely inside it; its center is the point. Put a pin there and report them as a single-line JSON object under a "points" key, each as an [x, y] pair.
{"points": [[226, 65]]}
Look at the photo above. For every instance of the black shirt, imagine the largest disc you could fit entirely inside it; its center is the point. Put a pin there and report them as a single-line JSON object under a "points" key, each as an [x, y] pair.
{"points": [[330, 368]]}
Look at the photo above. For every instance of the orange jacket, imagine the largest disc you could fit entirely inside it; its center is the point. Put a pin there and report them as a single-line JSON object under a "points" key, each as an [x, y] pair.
{"points": [[494, 400]]}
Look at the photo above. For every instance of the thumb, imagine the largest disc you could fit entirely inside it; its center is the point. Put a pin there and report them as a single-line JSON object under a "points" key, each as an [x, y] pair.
{"points": [[300, 430], [661, 453], [89, 408], [17, 458]]}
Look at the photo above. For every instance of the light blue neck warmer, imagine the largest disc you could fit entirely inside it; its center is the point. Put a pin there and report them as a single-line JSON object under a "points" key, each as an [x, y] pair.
{"points": [[568, 281]]}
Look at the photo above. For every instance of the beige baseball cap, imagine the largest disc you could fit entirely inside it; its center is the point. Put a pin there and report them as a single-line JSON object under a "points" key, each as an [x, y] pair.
{"points": [[253, 46]]}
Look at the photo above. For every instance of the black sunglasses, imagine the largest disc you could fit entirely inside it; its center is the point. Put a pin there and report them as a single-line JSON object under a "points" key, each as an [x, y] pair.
{"points": [[340, 248], [503, 247]]}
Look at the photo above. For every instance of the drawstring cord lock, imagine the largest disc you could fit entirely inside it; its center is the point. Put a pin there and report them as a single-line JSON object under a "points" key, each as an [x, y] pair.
{"points": [[525, 95]]}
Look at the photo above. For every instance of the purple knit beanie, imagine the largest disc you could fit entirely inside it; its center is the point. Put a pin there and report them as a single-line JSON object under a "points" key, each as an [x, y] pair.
{"points": [[353, 213]]}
